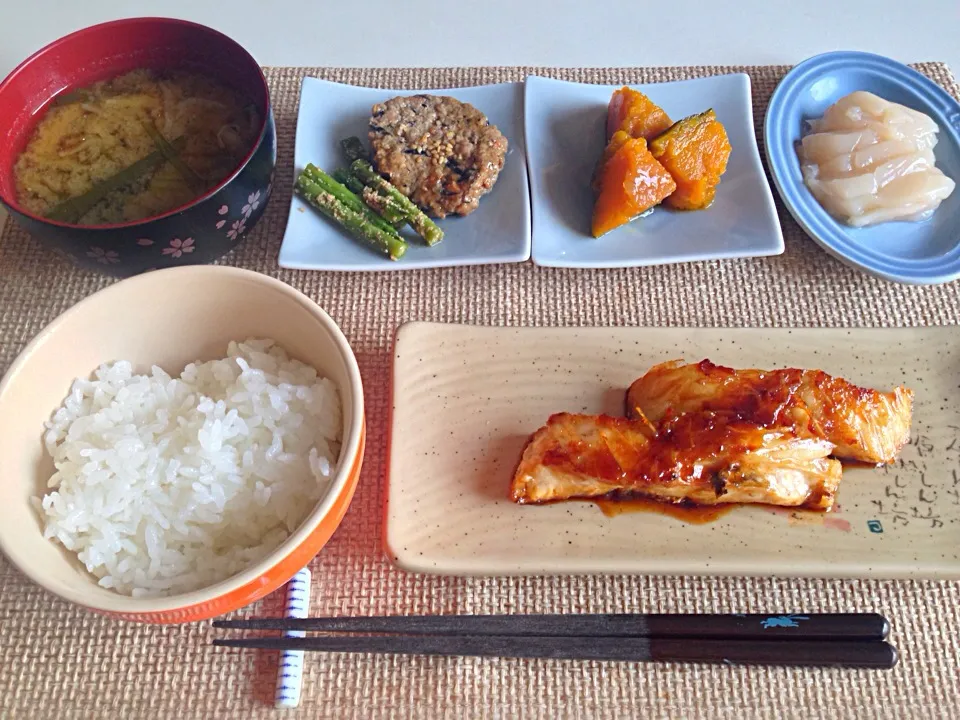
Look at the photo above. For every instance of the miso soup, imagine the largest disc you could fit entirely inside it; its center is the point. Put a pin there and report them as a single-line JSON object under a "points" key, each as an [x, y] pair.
{"points": [[133, 147]]}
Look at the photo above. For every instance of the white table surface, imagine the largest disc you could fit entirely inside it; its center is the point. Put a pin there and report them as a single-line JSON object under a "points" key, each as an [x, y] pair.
{"points": [[522, 32]]}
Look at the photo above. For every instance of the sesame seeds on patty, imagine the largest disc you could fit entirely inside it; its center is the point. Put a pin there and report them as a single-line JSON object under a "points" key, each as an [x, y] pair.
{"points": [[441, 153]]}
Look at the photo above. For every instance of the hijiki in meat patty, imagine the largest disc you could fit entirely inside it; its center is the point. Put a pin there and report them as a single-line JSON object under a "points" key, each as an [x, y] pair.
{"points": [[441, 153]]}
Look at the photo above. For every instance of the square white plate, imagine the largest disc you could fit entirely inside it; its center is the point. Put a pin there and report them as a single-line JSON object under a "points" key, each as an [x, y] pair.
{"points": [[496, 232], [565, 128]]}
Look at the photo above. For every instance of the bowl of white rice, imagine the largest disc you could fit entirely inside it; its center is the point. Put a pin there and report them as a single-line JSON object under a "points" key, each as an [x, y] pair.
{"points": [[178, 445]]}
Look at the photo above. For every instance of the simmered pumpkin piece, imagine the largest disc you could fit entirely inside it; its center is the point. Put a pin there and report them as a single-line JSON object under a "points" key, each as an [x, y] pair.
{"points": [[695, 151], [616, 142], [636, 114], [631, 182]]}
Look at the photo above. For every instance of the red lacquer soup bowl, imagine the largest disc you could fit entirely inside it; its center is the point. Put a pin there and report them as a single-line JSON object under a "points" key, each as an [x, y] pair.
{"points": [[201, 231]]}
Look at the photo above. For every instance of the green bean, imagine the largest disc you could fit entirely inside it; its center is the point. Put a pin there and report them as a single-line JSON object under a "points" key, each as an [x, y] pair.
{"points": [[344, 195], [192, 179], [385, 206], [355, 223], [353, 148], [348, 180], [418, 220], [75, 96], [72, 209]]}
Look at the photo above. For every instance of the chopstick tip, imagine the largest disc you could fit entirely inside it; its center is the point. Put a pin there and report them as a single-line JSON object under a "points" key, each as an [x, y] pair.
{"points": [[894, 656]]}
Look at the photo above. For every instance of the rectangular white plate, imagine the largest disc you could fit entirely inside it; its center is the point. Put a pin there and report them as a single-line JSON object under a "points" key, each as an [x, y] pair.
{"points": [[565, 128], [496, 232], [465, 400]]}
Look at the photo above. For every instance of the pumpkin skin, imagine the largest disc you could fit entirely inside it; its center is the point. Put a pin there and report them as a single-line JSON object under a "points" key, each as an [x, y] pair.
{"points": [[631, 182], [695, 152]]}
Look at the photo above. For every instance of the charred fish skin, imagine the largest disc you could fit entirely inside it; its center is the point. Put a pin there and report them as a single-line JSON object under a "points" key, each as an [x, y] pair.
{"points": [[700, 459], [864, 424]]}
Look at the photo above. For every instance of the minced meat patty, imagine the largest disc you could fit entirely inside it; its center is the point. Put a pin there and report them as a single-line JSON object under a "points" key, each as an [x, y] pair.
{"points": [[441, 153]]}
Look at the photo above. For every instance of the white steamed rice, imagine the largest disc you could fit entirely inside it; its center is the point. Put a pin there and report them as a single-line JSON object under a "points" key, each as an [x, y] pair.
{"points": [[165, 485]]}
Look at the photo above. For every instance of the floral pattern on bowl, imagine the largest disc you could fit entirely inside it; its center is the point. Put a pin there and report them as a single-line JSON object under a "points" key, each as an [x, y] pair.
{"points": [[104, 257], [185, 235], [179, 247], [200, 234]]}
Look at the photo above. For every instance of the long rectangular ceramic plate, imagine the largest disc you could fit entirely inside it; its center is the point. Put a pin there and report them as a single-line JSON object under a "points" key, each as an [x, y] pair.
{"points": [[465, 400]]}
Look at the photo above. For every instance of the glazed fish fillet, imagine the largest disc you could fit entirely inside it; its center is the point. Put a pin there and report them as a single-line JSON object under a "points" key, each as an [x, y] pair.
{"points": [[695, 459], [863, 424]]}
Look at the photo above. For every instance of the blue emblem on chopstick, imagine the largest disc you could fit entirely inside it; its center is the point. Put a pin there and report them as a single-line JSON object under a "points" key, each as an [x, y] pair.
{"points": [[782, 621]]}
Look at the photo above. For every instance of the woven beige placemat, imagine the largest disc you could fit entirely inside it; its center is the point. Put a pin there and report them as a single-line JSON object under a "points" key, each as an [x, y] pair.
{"points": [[60, 662]]}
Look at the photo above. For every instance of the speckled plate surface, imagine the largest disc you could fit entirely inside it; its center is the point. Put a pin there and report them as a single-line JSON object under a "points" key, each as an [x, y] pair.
{"points": [[465, 400]]}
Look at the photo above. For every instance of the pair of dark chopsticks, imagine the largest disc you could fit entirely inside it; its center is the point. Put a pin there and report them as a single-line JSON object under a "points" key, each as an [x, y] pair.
{"points": [[832, 639]]}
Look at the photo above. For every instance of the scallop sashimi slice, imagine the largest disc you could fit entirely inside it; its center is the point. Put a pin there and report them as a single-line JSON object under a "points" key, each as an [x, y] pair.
{"points": [[888, 112], [906, 130], [843, 189], [862, 110], [871, 159], [844, 167], [868, 160], [822, 147], [902, 166], [911, 197], [883, 152], [908, 197]]}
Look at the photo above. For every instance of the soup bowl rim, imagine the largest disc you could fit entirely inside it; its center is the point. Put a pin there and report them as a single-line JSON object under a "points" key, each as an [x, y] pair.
{"points": [[14, 206]]}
